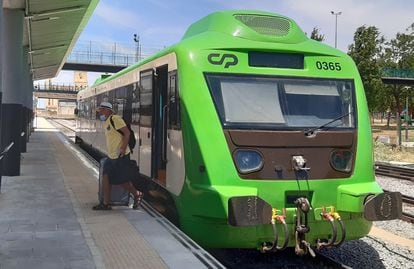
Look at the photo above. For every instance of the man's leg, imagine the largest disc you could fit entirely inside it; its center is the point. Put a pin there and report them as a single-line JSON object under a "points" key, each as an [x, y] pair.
{"points": [[129, 187], [137, 194]]}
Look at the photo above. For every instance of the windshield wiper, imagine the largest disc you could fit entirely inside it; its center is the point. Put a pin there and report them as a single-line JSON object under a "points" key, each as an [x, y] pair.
{"points": [[311, 131]]}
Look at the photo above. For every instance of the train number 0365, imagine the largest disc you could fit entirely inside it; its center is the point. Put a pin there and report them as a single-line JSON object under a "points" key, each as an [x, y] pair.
{"points": [[328, 66]]}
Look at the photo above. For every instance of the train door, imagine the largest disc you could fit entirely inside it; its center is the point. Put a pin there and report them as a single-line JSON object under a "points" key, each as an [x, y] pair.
{"points": [[146, 123], [160, 124]]}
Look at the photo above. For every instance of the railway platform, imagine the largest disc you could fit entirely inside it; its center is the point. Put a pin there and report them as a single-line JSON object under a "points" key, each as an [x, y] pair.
{"points": [[46, 220]]}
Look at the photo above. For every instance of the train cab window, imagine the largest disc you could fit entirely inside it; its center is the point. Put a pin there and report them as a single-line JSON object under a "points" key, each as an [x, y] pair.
{"points": [[241, 104], [309, 101], [259, 102]]}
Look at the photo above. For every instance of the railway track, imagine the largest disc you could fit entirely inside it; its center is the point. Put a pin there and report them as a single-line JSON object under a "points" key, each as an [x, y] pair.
{"points": [[253, 259], [410, 202], [394, 171], [63, 126], [399, 172]]}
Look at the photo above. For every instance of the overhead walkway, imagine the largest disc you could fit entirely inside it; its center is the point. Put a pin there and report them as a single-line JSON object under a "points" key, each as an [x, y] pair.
{"points": [[397, 76], [46, 219], [55, 94]]}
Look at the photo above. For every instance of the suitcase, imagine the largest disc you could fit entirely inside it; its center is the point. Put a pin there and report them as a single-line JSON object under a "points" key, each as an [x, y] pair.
{"points": [[119, 196]]}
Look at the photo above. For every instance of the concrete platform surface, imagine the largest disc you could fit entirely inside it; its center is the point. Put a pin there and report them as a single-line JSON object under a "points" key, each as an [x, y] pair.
{"points": [[46, 219]]}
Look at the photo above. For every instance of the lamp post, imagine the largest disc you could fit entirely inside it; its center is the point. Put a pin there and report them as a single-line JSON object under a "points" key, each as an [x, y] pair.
{"points": [[136, 39], [407, 116], [336, 14]]}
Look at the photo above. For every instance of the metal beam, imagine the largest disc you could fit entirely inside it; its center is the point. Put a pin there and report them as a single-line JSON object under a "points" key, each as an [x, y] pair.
{"points": [[397, 80], [55, 95], [93, 67]]}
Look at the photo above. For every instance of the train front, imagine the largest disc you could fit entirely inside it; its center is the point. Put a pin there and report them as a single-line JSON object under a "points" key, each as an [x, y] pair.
{"points": [[277, 138]]}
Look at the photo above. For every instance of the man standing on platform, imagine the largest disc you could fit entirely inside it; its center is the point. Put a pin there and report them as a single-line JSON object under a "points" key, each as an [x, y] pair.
{"points": [[118, 156]]}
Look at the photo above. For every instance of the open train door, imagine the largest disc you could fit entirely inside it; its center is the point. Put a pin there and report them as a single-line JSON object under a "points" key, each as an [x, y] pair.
{"points": [[152, 124], [160, 124]]}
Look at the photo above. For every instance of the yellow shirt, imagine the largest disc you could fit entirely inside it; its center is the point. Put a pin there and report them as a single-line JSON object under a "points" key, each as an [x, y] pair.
{"points": [[113, 137]]}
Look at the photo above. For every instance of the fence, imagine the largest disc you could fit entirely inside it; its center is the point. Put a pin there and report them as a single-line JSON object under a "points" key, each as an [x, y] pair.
{"points": [[109, 54]]}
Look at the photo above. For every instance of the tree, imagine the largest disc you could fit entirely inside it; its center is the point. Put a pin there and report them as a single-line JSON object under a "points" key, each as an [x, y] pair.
{"points": [[399, 54], [365, 51], [315, 35]]}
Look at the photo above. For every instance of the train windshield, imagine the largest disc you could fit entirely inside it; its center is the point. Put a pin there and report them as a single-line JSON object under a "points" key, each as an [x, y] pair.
{"points": [[282, 103]]}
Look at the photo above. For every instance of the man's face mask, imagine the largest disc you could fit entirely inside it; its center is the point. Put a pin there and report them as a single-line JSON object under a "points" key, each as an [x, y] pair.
{"points": [[102, 117]]}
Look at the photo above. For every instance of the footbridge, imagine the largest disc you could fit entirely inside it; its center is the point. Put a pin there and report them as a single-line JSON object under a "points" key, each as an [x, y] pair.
{"points": [[397, 76], [95, 56], [61, 92]]}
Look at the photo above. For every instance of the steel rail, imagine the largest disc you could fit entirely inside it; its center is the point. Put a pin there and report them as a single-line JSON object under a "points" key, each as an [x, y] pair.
{"points": [[408, 217], [394, 171]]}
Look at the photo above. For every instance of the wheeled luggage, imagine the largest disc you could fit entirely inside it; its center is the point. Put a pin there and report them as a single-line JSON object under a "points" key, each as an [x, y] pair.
{"points": [[119, 196]]}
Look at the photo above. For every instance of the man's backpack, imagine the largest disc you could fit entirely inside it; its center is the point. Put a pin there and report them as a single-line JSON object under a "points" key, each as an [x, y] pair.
{"points": [[132, 141]]}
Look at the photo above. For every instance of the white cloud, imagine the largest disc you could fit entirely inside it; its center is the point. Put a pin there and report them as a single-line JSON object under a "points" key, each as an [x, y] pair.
{"points": [[388, 16], [116, 17]]}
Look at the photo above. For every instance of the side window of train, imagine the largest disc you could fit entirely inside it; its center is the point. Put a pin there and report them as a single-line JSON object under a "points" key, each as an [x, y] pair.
{"points": [[174, 121], [120, 100], [111, 98], [88, 108], [93, 108], [128, 103], [135, 103]]}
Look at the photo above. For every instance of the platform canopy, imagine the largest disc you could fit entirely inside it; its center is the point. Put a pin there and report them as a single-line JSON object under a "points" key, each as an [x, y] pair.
{"points": [[52, 28]]}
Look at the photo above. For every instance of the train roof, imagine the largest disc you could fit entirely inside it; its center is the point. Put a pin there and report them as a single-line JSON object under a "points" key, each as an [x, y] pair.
{"points": [[219, 30], [249, 24]]}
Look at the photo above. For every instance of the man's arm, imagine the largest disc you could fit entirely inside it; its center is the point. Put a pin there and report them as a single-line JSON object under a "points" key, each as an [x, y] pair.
{"points": [[125, 139]]}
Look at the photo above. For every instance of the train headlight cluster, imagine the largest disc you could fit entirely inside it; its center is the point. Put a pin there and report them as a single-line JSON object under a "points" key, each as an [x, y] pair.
{"points": [[248, 161], [341, 160]]}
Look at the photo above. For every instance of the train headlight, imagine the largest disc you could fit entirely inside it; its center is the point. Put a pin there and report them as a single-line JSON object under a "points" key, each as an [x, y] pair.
{"points": [[248, 161], [341, 160]]}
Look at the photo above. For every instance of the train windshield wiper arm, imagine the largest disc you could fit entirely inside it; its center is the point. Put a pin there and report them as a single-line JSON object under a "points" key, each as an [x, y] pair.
{"points": [[312, 130]]}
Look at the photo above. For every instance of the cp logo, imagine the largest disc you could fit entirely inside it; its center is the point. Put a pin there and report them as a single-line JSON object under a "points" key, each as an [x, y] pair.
{"points": [[218, 59]]}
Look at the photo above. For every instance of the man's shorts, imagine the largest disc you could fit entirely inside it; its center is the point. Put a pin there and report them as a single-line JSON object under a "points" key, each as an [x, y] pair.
{"points": [[113, 168]]}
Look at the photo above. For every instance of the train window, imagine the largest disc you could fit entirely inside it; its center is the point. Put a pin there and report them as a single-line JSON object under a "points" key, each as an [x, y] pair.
{"points": [[93, 109], [242, 104], [135, 103], [174, 121], [273, 102], [317, 102], [145, 92]]}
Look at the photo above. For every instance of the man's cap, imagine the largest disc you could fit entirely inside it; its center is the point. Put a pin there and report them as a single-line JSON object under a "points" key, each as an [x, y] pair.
{"points": [[106, 105]]}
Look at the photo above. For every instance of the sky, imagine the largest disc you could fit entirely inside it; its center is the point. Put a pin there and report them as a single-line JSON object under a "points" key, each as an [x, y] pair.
{"points": [[160, 23]]}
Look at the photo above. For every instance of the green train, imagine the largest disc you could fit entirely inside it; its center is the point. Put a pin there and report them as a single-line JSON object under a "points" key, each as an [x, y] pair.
{"points": [[250, 135]]}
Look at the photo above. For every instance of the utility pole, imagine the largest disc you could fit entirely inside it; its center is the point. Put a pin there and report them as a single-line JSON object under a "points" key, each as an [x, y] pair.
{"points": [[336, 14]]}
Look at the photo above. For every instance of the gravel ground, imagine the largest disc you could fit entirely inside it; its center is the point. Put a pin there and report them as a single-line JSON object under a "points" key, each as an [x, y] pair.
{"points": [[393, 184], [401, 228], [371, 252]]}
